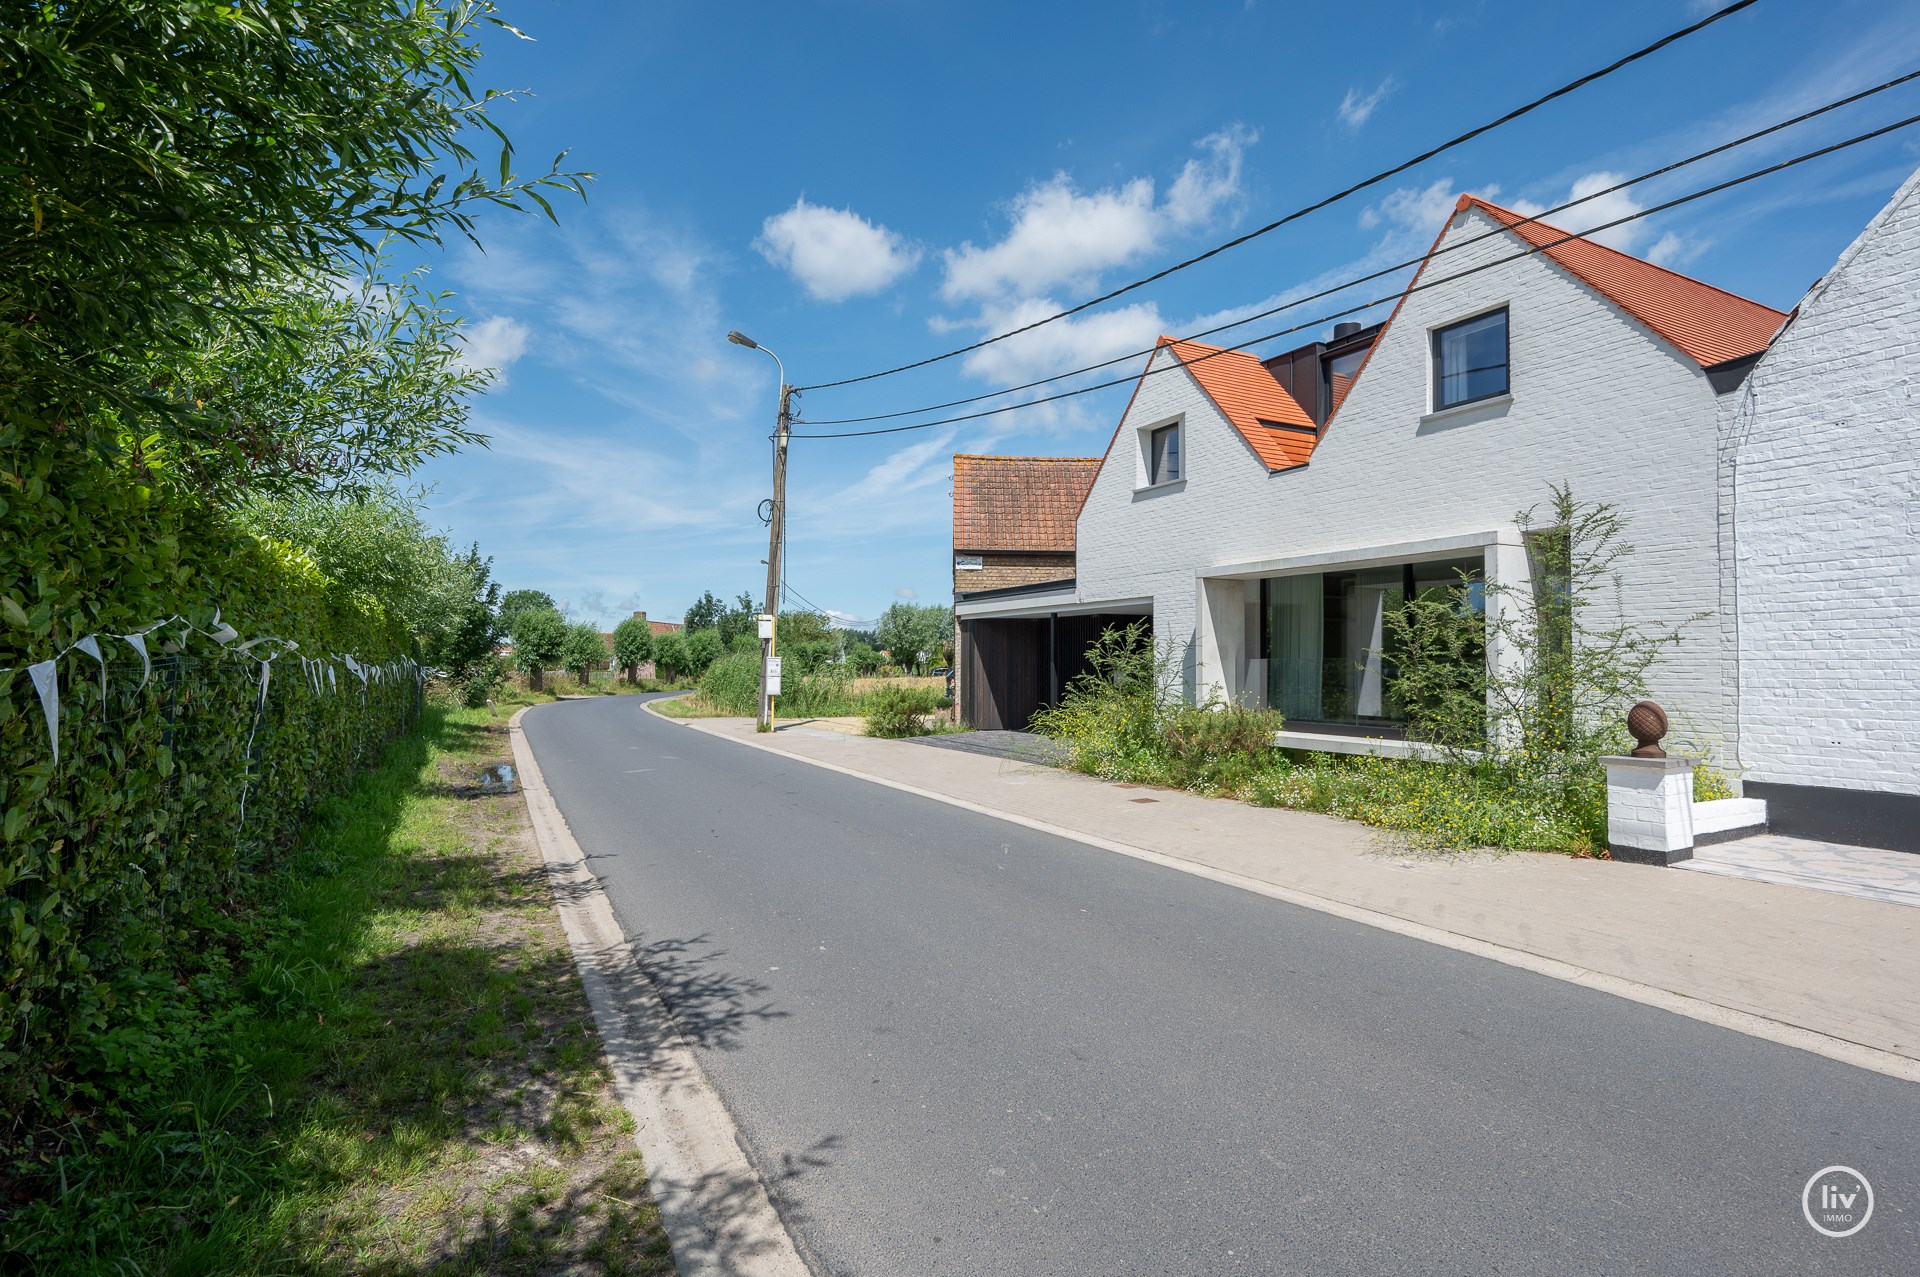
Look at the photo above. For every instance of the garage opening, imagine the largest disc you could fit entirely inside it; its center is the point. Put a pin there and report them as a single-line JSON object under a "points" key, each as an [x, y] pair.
{"points": [[1013, 667]]}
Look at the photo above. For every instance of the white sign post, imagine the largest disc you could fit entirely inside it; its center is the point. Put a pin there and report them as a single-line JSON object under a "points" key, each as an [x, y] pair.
{"points": [[773, 676]]}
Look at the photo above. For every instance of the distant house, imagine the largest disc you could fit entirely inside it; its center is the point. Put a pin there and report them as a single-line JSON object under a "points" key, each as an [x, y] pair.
{"points": [[1013, 519], [1013, 534]]}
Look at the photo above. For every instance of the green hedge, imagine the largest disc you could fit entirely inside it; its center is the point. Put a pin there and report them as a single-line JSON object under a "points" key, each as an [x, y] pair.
{"points": [[118, 858]]}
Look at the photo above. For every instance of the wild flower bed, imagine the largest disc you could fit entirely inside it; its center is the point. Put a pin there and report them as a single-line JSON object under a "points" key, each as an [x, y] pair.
{"points": [[1514, 751]]}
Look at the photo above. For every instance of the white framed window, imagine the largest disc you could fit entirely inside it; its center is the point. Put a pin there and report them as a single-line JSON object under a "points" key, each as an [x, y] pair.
{"points": [[1164, 461], [1470, 360]]}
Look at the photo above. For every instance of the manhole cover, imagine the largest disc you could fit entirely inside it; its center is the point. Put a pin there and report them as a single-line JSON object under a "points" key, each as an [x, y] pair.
{"points": [[1143, 800]]}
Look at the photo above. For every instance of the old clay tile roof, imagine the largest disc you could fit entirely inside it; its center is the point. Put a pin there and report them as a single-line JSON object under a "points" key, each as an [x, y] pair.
{"points": [[1709, 324], [1249, 397], [1019, 503]]}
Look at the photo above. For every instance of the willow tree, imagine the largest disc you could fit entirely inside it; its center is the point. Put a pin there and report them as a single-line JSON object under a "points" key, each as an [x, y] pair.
{"points": [[192, 187]]}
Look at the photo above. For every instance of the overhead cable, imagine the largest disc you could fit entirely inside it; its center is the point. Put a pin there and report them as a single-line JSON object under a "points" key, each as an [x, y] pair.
{"points": [[1336, 197], [1395, 296], [1389, 270]]}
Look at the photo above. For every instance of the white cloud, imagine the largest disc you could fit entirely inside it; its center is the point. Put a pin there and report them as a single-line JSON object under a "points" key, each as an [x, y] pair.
{"points": [[1674, 250], [1210, 180], [1061, 235], [1415, 210], [495, 343], [834, 252], [1066, 343], [1357, 108], [1597, 211], [906, 592]]}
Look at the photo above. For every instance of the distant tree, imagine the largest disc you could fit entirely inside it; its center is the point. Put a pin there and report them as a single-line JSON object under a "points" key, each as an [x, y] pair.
{"points": [[632, 644], [670, 655], [739, 619], [804, 627], [703, 649], [704, 614], [908, 629], [514, 602], [539, 639], [473, 629], [582, 651]]}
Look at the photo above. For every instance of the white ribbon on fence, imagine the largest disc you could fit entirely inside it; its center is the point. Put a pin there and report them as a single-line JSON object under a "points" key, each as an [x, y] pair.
{"points": [[46, 674], [138, 642], [91, 646], [46, 681]]}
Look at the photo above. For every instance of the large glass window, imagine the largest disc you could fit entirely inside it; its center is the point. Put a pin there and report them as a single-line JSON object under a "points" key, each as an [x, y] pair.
{"points": [[1330, 656], [1470, 360], [1163, 455]]}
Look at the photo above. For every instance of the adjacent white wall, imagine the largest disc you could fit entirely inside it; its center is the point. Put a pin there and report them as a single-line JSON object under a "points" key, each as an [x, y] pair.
{"points": [[1597, 400], [1824, 455]]}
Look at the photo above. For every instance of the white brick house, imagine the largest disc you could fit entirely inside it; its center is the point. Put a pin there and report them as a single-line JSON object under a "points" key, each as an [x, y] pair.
{"points": [[1503, 371], [1821, 486]]}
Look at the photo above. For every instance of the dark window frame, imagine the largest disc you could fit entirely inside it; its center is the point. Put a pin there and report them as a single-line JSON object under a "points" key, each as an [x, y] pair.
{"points": [[1505, 364], [1154, 477]]}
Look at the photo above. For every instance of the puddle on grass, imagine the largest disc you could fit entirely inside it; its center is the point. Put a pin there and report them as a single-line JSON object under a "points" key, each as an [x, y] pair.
{"points": [[496, 778]]}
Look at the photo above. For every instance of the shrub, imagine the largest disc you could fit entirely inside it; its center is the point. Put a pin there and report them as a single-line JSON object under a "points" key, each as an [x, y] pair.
{"points": [[118, 860], [482, 682], [703, 648], [825, 693], [894, 711], [732, 684], [670, 655]]}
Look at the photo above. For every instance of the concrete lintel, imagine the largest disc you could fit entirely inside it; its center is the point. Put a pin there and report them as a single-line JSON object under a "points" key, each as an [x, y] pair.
{"points": [[1365, 556], [1034, 605]]}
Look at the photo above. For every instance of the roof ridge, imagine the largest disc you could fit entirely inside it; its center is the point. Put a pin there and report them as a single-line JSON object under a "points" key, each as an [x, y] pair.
{"points": [[999, 456], [1468, 200]]}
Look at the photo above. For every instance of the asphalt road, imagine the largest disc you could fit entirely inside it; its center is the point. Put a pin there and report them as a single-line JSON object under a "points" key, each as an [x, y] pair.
{"points": [[960, 1046]]}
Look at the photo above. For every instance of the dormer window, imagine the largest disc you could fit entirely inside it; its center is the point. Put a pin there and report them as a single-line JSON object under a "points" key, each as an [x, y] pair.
{"points": [[1470, 360], [1163, 455]]}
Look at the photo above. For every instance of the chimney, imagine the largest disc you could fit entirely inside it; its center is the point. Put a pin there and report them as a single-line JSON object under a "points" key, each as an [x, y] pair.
{"points": [[1343, 331], [639, 616]]}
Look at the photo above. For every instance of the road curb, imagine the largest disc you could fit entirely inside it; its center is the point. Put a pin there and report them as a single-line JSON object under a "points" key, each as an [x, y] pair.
{"points": [[713, 1203], [1779, 1031]]}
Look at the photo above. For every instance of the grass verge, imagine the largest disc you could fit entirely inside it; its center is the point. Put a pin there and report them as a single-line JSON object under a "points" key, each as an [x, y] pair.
{"points": [[410, 1082]]}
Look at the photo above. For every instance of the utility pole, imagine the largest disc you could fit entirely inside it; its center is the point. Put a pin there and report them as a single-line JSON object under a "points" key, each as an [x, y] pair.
{"points": [[776, 542], [776, 531]]}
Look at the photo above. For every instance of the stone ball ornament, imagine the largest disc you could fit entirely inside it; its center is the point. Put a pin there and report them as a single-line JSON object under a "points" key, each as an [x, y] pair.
{"points": [[1647, 723]]}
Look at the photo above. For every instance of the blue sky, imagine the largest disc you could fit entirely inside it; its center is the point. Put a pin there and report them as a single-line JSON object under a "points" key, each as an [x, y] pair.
{"points": [[863, 182]]}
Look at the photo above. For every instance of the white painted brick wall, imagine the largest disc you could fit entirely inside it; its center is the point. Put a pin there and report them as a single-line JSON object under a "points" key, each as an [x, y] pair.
{"points": [[1598, 400], [1825, 448]]}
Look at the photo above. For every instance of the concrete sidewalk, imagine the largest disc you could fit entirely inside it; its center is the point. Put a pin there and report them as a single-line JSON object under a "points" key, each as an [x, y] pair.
{"points": [[1838, 966]]}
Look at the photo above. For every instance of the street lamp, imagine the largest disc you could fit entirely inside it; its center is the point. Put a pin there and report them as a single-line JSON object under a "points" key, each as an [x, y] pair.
{"points": [[777, 526]]}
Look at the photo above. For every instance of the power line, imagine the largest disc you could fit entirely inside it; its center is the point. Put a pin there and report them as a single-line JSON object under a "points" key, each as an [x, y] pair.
{"points": [[1335, 198], [1415, 288], [1389, 270]]}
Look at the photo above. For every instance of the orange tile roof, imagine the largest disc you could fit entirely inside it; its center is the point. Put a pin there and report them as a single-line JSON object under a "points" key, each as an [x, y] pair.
{"points": [[1709, 324], [1019, 503], [1249, 397]]}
